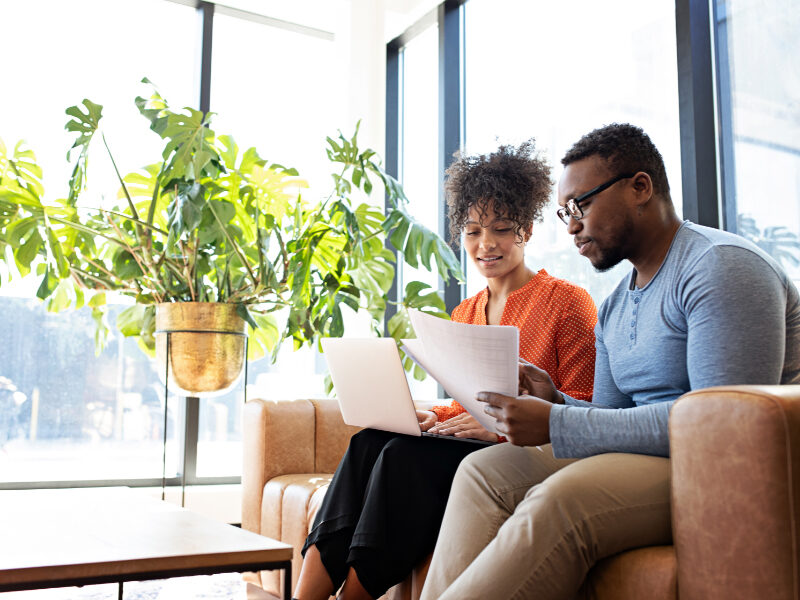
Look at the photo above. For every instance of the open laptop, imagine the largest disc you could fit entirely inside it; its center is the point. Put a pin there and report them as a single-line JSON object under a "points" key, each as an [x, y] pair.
{"points": [[372, 388]]}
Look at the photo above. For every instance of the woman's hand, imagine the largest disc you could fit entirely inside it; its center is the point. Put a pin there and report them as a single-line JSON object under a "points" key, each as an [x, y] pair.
{"points": [[464, 426], [427, 419]]}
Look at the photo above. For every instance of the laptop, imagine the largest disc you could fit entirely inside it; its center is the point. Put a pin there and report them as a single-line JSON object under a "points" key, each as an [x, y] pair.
{"points": [[372, 388]]}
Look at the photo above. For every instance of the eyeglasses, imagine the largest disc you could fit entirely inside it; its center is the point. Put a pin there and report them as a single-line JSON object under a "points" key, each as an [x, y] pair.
{"points": [[573, 210]]}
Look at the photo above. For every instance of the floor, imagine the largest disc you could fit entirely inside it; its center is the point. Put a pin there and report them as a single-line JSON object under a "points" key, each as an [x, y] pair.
{"points": [[225, 586]]}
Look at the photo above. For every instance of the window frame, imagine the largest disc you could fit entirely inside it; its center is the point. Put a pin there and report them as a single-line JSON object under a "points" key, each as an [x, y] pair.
{"points": [[188, 415]]}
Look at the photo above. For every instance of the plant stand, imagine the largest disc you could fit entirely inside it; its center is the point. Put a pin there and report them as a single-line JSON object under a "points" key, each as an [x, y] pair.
{"points": [[192, 406]]}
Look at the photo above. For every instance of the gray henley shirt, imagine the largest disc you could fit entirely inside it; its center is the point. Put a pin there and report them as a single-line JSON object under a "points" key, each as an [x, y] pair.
{"points": [[719, 311]]}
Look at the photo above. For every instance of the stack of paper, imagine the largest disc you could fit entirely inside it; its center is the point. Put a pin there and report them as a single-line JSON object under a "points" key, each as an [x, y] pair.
{"points": [[466, 359]]}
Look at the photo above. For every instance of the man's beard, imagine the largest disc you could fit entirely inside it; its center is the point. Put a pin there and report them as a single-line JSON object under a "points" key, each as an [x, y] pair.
{"points": [[618, 248]]}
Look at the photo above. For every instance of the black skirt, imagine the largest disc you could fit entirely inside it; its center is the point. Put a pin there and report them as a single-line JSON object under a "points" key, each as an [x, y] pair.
{"points": [[382, 512]]}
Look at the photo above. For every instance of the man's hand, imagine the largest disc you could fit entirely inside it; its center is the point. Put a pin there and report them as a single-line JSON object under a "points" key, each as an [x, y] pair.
{"points": [[427, 419], [524, 420], [534, 381], [464, 426]]}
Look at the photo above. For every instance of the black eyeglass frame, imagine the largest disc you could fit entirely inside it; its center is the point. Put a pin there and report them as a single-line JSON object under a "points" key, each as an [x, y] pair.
{"points": [[572, 209]]}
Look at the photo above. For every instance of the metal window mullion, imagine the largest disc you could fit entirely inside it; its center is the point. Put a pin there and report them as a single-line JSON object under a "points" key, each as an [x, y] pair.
{"points": [[205, 11], [392, 164], [189, 436], [699, 159]]}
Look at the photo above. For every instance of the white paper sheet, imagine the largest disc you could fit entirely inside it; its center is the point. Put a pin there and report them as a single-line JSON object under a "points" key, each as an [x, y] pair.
{"points": [[466, 359]]}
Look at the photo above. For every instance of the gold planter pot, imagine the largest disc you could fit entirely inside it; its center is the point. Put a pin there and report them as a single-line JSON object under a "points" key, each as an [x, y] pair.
{"points": [[206, 346]]}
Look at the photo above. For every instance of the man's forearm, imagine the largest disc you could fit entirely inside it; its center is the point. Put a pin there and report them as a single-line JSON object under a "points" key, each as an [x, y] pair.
{"points": [[578, 431]]}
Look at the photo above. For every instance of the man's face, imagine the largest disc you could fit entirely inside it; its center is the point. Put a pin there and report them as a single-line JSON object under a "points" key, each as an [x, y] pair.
{"points": [[605, 233]]}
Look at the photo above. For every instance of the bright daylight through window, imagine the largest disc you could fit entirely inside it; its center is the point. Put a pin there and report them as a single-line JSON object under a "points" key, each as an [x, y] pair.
{"points": [[526, 77], [66, 414]]}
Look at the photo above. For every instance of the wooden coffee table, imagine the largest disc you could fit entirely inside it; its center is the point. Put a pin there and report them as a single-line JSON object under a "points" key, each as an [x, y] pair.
{"points": [[58, 538]]}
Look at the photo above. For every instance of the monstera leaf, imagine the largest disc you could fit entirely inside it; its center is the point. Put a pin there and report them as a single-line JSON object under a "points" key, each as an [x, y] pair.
{"points": [[214, 222], [85, 122]]}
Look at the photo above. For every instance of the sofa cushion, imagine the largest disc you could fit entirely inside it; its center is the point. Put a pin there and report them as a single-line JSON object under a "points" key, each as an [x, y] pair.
{"points": [[642, 573], [288, 508]]}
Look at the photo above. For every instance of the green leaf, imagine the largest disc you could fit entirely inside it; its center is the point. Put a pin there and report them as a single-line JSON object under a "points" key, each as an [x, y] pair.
{"points": [[85, 123], [421, 296], [131, 320], [125, 265], [48, 284], [265, 337], [97, 300], [186, 209], [242, 311]]}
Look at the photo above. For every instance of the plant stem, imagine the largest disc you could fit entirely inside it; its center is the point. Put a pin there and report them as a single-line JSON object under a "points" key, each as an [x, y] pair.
{"points": [[186, 271], [234, 245], [119, 176], [136, 258]]}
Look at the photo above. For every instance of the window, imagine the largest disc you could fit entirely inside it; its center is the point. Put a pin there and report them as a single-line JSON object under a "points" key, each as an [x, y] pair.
{"points": [[759, 87], [533, 70], [419, 168], [276, 90], [66, 413]]}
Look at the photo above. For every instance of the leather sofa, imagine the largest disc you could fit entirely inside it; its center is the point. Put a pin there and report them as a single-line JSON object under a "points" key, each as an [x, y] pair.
{"points": [[735, 495]]}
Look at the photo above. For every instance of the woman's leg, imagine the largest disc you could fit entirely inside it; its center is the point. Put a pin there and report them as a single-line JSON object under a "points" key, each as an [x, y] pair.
{"points": [[352, 588], [406, 497], [324, 568], [314, 582]]}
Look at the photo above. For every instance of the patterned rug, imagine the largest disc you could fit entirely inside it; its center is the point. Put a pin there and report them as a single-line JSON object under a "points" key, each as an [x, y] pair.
{"points": [[225, 586]]}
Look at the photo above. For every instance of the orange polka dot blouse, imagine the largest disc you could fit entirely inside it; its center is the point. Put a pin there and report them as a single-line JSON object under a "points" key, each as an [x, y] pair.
{"points": [[556, 322]]}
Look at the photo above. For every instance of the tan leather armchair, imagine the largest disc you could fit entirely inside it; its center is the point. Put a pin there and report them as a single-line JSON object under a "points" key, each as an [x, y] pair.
{"points": [[735, 494]]}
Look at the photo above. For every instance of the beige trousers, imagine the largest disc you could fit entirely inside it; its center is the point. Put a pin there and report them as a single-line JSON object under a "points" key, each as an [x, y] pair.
{"points": [[522, 524]]}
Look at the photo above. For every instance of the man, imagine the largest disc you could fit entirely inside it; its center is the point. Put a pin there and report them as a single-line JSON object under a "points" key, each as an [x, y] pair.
{"points": [[584, 481]]}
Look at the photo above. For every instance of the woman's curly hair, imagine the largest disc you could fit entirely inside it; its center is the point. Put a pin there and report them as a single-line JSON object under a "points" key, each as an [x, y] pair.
{"points": [[515, 181]]}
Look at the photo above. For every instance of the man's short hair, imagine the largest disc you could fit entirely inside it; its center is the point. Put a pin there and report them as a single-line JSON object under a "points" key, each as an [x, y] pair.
{"points": [[627, 149], [515, 181]]}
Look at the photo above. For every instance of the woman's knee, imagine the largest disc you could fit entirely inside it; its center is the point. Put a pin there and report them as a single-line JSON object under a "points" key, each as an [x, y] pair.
{"points": [[369, 440]]}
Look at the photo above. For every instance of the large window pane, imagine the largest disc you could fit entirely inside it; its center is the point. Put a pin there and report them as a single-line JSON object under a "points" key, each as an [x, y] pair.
{"points": [[67, 414], [419, 167], [758, 48], [534, 70], [278, 91]]}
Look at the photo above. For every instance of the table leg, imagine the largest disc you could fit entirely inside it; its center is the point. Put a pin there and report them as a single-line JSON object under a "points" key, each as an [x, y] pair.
{"points": [[119, 594], [287, 581]]}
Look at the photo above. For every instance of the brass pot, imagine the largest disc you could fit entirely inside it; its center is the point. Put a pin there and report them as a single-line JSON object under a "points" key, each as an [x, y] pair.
{"points": [[206, 346]]}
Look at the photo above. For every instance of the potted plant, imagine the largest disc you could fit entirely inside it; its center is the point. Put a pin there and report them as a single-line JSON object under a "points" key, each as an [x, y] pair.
{"points": [[213, 225]]}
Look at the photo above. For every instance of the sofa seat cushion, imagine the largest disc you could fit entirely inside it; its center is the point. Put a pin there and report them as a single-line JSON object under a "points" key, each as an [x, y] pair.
{"points": [[288, 508], [650, 573]]}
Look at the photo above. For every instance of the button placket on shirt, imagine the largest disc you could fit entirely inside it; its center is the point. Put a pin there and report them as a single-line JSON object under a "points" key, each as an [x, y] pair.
{"points": [[634, 319]]}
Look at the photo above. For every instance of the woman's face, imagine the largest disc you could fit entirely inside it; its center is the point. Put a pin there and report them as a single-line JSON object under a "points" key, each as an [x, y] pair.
{"points": [[492, 243]]}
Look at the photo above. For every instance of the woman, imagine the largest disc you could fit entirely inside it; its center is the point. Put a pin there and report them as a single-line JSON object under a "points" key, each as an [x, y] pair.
{"points": [[384, 506]]}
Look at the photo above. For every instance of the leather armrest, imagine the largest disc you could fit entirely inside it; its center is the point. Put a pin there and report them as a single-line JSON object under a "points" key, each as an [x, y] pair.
{"points": [[332, 435], [288, 437], [736, 492], [278, 439]]}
